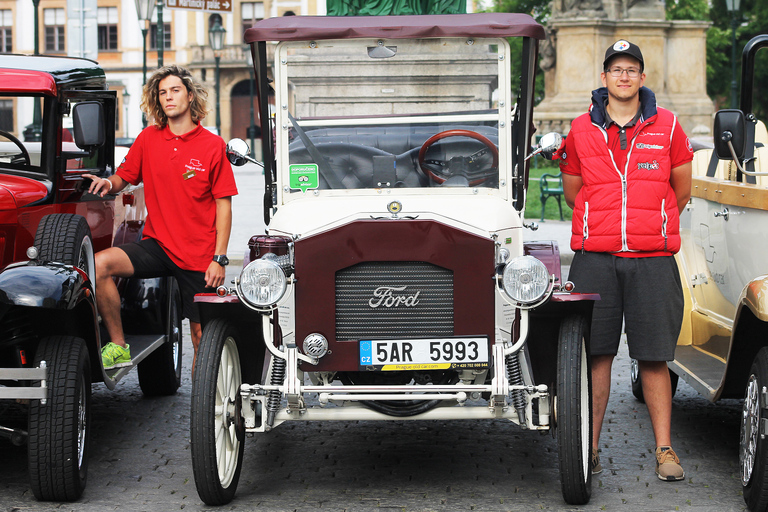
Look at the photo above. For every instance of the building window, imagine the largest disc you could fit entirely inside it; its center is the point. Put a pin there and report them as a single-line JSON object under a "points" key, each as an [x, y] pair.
{"points": [[54, 20], [107, 28], [6, 31], [166, 36], [252, 12], [6, 116]]}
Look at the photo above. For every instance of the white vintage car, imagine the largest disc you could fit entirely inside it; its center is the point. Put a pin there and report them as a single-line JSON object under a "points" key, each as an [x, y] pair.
{"points": [[393, 282], [722, 351]]}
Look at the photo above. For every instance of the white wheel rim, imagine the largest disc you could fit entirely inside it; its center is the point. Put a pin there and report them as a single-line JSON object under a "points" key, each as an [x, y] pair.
{"points": [[82, 420], [584, 398], [228, 383], [750, 421]]}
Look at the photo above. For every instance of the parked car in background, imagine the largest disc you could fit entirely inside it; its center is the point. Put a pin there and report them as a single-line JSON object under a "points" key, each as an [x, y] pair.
{"points": [[393, 282], [50, 228], [722, 351]]}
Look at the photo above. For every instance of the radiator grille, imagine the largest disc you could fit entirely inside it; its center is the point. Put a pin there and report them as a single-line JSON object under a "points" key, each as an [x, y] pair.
{"points": [[399, 313]]}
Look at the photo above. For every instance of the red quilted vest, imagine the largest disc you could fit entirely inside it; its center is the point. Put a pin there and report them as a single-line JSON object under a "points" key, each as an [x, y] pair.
{"points": [[626, 210]]}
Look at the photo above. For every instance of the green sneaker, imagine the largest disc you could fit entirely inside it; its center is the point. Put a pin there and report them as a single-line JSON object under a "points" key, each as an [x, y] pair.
{"points": [[115, 356]]}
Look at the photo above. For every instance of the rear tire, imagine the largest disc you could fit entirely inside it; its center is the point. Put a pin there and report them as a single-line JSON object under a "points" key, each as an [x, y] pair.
{"points": [[217, 427], [59, 431], [753, 449], [574, 411], [66, 238], [160, 372]]}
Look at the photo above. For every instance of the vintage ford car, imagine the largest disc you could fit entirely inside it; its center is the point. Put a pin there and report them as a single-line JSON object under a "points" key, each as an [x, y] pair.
{"points": [[57, 124], [722, 351], [393, 282]]}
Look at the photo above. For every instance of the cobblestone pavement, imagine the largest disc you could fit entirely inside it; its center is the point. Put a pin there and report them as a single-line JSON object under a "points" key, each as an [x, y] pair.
{"points": [[140, 461]]}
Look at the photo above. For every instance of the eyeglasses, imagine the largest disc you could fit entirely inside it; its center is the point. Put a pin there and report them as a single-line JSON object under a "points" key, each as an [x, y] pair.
{"points": [[616, 72]]}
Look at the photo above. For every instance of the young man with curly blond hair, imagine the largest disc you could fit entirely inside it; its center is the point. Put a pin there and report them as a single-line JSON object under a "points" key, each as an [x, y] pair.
{"points": [[188, 185]]}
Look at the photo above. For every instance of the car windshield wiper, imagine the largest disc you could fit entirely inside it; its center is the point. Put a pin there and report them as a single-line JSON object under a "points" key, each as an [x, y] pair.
{"points": [[322, 163]]}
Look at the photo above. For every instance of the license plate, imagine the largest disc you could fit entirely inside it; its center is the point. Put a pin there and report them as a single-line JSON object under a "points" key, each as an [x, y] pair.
{"points": [[424, 354]]}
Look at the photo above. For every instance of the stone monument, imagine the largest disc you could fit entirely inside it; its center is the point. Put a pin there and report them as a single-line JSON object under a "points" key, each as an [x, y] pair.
{"points": [[578, 33]]}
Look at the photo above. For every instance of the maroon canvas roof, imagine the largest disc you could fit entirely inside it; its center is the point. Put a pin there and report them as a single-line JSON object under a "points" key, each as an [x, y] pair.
{"points": [[302, 28]]}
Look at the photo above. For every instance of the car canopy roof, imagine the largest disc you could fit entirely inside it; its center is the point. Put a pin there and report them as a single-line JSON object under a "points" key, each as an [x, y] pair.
{"points": [[302, 28], [45, 75]]}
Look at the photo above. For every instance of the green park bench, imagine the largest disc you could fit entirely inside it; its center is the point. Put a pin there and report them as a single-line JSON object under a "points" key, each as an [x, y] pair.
{"points": [[551, 185]]}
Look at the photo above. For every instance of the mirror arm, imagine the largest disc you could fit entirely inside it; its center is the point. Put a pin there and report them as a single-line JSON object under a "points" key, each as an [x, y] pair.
{"points": [[727, 136]]}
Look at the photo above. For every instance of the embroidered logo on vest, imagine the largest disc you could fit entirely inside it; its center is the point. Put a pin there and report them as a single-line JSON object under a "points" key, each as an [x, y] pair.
{"points": [[651, 166], [640, 145]]}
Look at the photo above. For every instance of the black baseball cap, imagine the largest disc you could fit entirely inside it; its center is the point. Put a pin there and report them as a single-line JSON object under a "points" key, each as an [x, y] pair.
{"points": [[623, 47]]}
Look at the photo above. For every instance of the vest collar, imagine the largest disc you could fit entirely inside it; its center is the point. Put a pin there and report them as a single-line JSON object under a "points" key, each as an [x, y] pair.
{"points": [[600, 117]]}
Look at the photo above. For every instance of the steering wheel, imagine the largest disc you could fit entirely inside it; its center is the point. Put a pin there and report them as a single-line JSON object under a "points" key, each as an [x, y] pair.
{"points": [[471, 167], [16, 141]]}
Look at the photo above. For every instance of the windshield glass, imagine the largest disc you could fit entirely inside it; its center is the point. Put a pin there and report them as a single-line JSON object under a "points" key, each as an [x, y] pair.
{"points": [[20, 147], [372, 114]]}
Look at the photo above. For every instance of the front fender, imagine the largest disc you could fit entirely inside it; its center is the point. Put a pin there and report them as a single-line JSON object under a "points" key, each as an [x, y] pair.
{"points": [[755, 297], [44, 285]]}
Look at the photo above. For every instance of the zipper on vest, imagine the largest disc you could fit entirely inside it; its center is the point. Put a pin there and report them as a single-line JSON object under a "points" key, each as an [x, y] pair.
{"points": [[585, 226], [664, 219]]}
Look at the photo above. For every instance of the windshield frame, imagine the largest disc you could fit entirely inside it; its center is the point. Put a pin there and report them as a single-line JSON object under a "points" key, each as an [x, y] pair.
{"points": [[500, 114]]}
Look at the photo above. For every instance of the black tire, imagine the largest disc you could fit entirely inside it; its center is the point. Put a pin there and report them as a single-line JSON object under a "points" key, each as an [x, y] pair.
{"points": [[59, 431], [217, 437], [66, 238], [574, 411], [753, 449], [160, 372], [637, 383]]}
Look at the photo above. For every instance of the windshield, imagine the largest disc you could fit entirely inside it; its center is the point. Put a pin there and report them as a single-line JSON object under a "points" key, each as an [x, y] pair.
{"points": [[20, 147], [373, 114]]}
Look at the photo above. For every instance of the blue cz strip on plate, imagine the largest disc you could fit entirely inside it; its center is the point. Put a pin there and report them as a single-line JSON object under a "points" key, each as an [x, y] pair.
{"points": [[366, 352]]}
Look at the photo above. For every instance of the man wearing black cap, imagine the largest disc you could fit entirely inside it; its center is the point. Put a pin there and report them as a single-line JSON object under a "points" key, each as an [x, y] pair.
{"points": [[626, 168]]}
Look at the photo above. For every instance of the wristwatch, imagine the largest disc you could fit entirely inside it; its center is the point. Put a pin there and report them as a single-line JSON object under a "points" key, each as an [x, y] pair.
{"points": [[221, 259]]}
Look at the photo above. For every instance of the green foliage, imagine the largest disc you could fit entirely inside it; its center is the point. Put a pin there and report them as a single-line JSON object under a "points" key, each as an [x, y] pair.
{"points": [[687, 10]]}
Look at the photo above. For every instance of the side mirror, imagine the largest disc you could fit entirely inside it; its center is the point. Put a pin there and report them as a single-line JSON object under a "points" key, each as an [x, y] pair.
{"points": [[730, 129], [237, 153], [548, 145], [88, 123]]}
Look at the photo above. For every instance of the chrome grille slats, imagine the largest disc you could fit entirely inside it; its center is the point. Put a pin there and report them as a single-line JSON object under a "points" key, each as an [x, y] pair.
{"points": [[431, 316]]}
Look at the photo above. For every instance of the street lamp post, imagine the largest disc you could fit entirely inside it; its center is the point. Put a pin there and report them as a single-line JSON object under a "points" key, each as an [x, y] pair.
{"points": [[733, 8], [252, 126], [144, 10], [216, 39], [160, 33], [34, 131]]}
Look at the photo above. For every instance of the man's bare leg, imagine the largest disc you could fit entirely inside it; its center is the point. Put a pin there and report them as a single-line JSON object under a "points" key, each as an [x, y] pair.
{"points": [[111, 262], [197, 332], [657, 392], [601, 391]]}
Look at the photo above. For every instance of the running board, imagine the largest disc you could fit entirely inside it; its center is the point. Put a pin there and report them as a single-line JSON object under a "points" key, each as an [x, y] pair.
{"points": [[142, 345]]}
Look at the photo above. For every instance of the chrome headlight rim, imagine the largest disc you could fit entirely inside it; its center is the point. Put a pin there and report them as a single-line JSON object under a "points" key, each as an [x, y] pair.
{"points": [[244, 280], [535, 270]]}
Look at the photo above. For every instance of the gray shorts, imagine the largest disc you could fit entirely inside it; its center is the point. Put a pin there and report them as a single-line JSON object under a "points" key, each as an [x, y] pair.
{"points": [[646, 293]]}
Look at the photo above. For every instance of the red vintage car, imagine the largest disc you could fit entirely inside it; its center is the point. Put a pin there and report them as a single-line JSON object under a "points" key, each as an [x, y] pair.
{"points": [[56, 124]]}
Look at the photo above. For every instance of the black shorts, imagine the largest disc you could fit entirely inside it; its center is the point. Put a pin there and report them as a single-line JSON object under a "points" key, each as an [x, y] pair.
{"points": [[150, 260], [646, 293]]}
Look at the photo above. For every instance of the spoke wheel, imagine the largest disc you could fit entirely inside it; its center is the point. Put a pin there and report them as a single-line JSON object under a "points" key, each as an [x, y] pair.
{"points": [[160, 372], [217, 429], [574, 411], [753, 449], [59, 430]]}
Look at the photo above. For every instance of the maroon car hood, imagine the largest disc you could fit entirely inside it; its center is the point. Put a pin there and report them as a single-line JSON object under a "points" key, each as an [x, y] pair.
{"points": [[18, 191]]}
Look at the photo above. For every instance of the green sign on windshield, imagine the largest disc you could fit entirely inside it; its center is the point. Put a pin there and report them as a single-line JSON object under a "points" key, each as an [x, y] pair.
{"points": [[303, 176]]}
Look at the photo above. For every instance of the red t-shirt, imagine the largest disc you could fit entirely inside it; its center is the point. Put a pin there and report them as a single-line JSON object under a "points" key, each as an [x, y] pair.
{"points": [[183, 175]]}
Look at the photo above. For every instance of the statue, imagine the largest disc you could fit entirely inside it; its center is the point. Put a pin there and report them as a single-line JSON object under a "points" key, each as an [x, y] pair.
{"points": [[384, 7]]}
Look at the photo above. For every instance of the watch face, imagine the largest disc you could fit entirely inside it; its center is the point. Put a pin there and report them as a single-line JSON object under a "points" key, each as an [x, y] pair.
{"points": [[221, 259]]}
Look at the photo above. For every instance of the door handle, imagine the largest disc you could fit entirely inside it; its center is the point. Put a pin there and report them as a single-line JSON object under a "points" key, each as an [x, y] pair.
{"points": [[724, 214]]}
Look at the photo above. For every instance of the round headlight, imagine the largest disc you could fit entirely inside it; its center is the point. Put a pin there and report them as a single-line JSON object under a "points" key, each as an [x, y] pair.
{"points": [[525, 279], [262, 283]]}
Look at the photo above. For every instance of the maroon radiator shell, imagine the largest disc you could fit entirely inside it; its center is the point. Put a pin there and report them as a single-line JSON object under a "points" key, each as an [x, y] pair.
{"points": [[319, 257]]}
